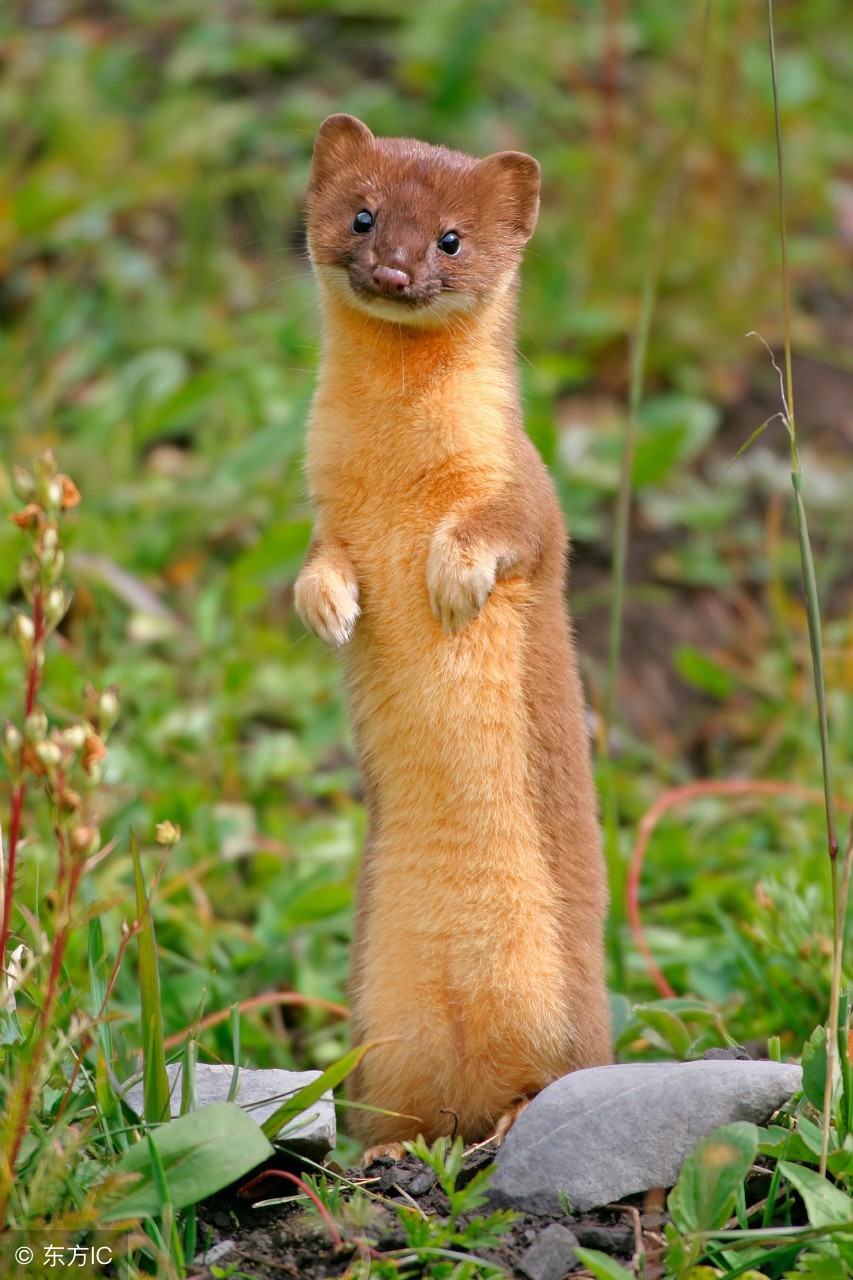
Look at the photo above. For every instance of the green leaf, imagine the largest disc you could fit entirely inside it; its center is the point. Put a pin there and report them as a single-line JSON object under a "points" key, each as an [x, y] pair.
{"points": [[672, 429], [703, 673], [98, 985], [603, 1267], [306, 1097], [826, 1205], [814, 1067], [156, 1081], [200, 1153], [668, 1026], [704, 1195]]}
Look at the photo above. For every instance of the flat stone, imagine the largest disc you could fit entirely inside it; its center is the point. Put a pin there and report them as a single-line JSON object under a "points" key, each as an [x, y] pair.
{"points": [[597, 1135], [552, 1256], [260, 1093]]}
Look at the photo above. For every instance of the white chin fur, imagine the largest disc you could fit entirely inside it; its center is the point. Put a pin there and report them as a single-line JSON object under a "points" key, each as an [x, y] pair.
{"points": [[434, 315]]}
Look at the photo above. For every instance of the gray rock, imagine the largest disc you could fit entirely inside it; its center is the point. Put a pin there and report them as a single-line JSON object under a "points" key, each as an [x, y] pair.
{"points": [[552, 1256], [260, 1093], [215, 1253], [607, 1132]]}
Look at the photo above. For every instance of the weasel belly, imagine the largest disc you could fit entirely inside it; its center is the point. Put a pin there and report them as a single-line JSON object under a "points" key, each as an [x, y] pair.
{"points": [[460, 957]]}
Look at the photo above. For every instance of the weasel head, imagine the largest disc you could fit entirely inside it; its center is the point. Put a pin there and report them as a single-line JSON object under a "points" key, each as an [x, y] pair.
{"points": [[414, 233]]}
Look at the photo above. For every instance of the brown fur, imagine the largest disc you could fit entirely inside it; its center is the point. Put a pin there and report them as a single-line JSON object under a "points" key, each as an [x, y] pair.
{"points": [[439, 560]]}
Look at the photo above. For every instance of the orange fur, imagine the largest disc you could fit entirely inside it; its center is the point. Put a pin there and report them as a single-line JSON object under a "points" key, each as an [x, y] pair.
{"points": [[438, 560]]}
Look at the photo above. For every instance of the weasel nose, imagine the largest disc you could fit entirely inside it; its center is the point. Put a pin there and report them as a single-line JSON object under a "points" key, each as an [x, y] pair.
{"points": [[390, 280]]}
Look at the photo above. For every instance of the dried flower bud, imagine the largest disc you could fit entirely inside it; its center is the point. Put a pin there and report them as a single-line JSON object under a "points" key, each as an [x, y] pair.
{"points": [[35, 726], [93, 751], [70, 492], [49, 754], [24, 632], [12, 741], [48, 549], [25, 485], [167, 833], [108, 708], [53, 570], [69, 800], [85, 841], [29, 518], [74, 737], [28, 576], [53, 495], [55, 606]]}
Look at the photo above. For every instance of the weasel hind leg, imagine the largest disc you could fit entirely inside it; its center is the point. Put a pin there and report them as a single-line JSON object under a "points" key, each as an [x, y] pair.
{"points": [[508, 1119], [391, 1150]]}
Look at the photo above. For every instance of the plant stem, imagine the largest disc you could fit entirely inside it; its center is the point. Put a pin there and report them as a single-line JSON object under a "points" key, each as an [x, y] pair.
{"points": [[783, 236], [839, 899], [20, 791], [815, 641]]}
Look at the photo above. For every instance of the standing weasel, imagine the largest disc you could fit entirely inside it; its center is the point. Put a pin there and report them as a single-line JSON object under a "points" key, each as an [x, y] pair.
{"points": [[438, 560]]}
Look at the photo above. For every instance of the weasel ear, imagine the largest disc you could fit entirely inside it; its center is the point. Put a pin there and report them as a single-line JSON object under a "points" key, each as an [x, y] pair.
{"points": [[339, 140], [511, 180]]}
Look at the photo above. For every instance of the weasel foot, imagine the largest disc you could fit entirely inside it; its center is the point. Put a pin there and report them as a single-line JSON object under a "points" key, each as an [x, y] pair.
{"points": [[326, 599], [507, 1120], [460, 578], [391, 1150]]}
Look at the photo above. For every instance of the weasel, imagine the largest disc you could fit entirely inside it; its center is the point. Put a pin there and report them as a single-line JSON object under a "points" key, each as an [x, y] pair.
{"points": [[438, 563]]}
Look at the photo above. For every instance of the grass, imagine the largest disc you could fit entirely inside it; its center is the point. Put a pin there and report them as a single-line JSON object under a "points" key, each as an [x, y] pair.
{"points": [[160, 337]]}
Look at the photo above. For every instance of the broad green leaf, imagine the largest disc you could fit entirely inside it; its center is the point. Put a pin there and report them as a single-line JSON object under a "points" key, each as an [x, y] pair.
{"points": [[826, 1205], [200, 1153], [668, 1026], [704, 1195], [703, 673], [156, 1082], [306, 1097], [672, 429], [604, 1267]]}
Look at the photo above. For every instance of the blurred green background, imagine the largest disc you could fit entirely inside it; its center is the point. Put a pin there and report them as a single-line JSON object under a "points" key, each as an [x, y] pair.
{"points": [[160, 329]]}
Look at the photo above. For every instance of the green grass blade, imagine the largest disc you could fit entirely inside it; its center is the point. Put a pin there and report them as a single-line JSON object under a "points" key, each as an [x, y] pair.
{"points": [[156, 1082], [189, 1101], [235, 1044], [98, 985], [816, 643], [306, 1097]]}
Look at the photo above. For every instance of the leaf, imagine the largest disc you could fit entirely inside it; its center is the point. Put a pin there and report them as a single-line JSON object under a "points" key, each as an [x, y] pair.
{"points": [[306, 1097], [602, 1266], [704, 1195], [668, 1026], [671, 429], [814, 1067], [703, 673], [98, 985], [156, 1082], [826, 1205], [200, 1153]]}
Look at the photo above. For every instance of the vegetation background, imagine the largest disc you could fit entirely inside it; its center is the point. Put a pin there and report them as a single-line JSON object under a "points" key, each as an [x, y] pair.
{"points": [[160, 331]]}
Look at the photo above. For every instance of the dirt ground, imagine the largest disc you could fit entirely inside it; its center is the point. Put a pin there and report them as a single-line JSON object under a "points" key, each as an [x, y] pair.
{"points": [[285, 1241]]}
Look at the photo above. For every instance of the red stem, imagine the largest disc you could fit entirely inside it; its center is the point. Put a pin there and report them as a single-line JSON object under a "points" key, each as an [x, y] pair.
{"points": [[21, 790], [727, 787], [246, 1191]]}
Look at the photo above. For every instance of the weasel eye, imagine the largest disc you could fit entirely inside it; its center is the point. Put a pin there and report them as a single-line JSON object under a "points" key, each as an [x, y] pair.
{"points": [[450, 243], [362, 221]]}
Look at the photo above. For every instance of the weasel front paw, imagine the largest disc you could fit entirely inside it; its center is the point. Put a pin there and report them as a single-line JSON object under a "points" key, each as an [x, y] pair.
{"points": [[460, 578], [326, 599]]}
